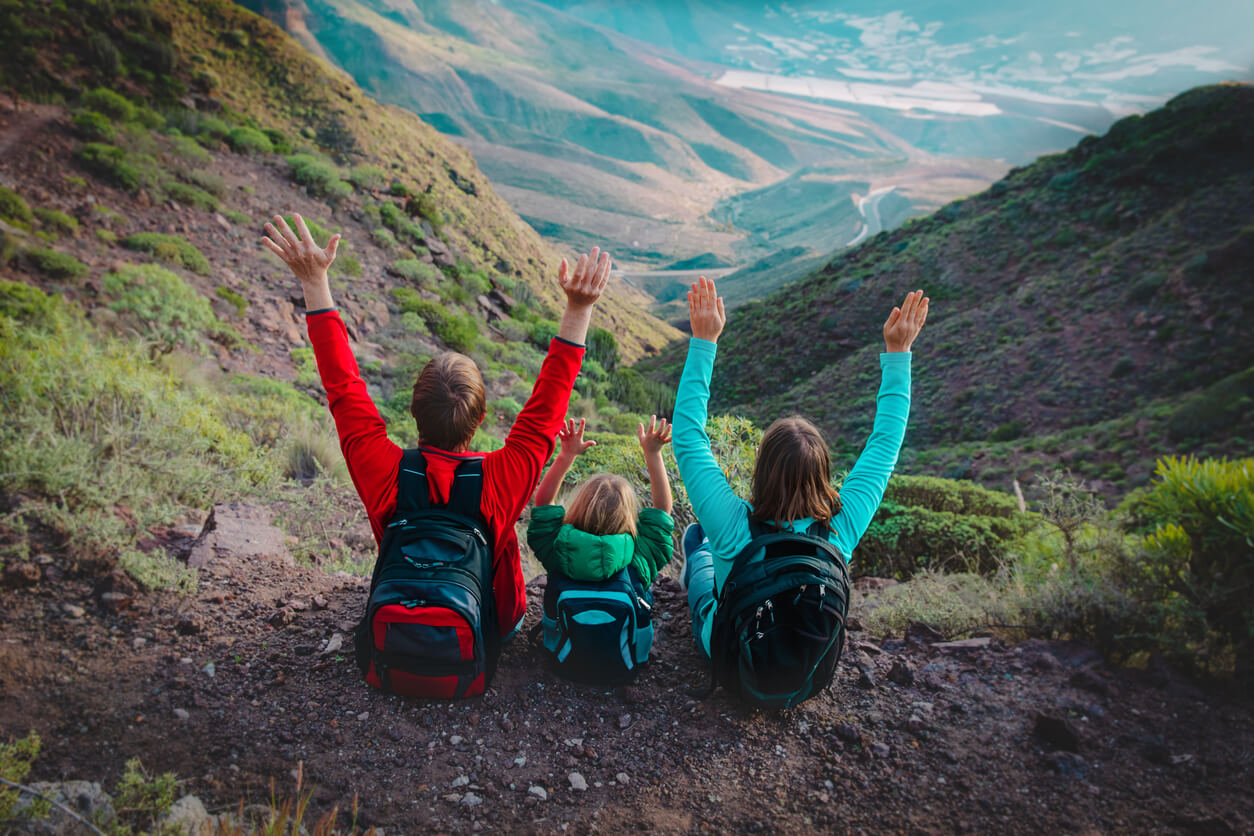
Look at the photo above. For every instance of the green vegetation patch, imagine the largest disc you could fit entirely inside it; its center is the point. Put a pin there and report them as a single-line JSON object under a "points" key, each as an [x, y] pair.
{"points": [[12, 207], [56, 264], [171, 249], [161, 305]]}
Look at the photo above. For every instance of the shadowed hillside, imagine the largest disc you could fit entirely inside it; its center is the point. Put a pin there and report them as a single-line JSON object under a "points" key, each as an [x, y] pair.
{"points": [[1090, 309]]}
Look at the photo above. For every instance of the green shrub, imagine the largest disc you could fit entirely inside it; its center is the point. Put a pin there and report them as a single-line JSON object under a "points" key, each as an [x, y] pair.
{"points": [[603, 348], [637, 393], [106, 236], [413, 270], [161, 305], [384, 239], [103, 55], [306, 366], [211, 127], [1203, 511], [505, 409], [128, 171], [94, 126], [245, 140], [321, 177], [58, 222], [458, 331], [950, 495], [425, 206], [367, 176], [93, 424], [12, 207], [192, 196], [111, 104], [170, 248], [1008, 431], [16, 759], [57, 265], [236, 300], [158, 570], [237, 217], [189, 150], [215, 184], [278, 141]]}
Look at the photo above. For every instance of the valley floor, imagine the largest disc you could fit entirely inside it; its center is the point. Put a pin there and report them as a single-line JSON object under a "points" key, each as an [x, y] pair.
{"points": [[235, 686]]}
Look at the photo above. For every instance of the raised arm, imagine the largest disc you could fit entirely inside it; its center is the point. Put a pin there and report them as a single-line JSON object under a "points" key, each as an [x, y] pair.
{"points": [[371, 456], [722, 514], [652, 441], [530, 441], [573, 446], [863, 489]]}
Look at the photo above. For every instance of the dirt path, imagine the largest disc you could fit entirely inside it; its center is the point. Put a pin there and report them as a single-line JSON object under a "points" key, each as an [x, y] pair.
{"points": [[234, 686]]}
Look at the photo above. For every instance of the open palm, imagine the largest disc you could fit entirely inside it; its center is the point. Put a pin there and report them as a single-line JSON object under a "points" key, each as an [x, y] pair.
{"points": [[905, 322]]}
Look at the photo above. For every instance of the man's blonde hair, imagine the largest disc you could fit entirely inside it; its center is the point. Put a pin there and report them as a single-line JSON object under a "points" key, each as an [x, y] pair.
{"points": [[605, 504]]}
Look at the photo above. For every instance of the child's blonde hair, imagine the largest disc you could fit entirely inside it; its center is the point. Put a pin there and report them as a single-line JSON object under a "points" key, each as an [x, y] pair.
{"points": [[606, 504]]}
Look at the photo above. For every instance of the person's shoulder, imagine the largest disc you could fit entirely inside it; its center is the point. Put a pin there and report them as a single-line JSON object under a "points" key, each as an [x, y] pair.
{"points": [[548, 513], [657, 519]]}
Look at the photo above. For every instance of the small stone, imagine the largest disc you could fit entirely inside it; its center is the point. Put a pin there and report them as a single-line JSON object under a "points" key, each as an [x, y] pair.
{"points": [[190, 625], [333, 644], [470, 799], [365, 715], [187, 815], [538, 791], [320, 602], [849, 733], [210, 670], [902, 673], [182, 714], [138, 642], [21, 575], [1056, 732], [623, 778], [1067, 763], [455, 739], [624, 721], [865, 679], [74, 610], [115, 602], [520, 761], [916, 724], [880, 750], [577, 782], [460, 781]]}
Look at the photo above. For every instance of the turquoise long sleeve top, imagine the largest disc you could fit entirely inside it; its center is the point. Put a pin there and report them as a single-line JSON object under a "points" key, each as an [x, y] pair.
{"points": [[725, 516]]}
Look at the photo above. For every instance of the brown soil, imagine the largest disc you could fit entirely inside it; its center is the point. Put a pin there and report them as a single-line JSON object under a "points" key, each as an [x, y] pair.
{"points": [[977, 742]]}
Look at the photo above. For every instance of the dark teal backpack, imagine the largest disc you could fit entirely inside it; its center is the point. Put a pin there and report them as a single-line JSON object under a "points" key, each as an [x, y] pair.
{"points": [[779, 628], [598, 632]]}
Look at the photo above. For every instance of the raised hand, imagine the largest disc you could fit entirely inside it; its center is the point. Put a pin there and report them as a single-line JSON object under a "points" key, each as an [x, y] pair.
{"points": [[585, 286], [571, 437], [657, 436], [705, 310], [905, 322], [299, 252]]}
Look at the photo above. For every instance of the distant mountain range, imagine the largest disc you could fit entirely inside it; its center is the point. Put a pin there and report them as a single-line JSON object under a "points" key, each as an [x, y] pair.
{"points": [[671, 129]]}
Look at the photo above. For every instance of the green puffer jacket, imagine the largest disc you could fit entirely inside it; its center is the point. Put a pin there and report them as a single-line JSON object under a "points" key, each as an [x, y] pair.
{"points": [[589, 557]]}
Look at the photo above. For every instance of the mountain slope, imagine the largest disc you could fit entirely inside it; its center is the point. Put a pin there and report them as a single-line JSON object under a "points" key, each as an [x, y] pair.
{"points": [[1101, 294], [217, 60], [586, 132]]}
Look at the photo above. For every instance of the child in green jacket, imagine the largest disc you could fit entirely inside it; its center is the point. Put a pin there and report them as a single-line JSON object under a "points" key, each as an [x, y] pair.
{"points": [[602, 555], [604, 530]]}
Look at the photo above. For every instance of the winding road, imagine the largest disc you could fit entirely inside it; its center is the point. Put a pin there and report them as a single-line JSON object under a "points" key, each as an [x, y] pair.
{"points": [[869, 206]]}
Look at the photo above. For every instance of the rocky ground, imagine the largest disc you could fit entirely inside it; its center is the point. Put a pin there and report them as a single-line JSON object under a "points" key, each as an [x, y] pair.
{"points": [[251, 678]]}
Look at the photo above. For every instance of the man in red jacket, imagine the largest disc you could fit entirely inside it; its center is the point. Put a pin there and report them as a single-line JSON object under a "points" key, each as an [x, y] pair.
{"points": [[448, 406]]}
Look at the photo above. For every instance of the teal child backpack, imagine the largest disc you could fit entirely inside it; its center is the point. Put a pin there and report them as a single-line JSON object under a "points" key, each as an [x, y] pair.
{"points": [[779, 628], [598, 632]]}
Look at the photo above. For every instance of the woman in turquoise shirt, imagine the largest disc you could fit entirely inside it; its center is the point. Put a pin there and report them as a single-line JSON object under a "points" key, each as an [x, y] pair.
{"points": [[792, 475]]}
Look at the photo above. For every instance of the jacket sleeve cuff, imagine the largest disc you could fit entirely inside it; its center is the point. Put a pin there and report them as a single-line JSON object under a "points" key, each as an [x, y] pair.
{"points": [[319, 311], [895, 358], [568, 342], [702, 345]]}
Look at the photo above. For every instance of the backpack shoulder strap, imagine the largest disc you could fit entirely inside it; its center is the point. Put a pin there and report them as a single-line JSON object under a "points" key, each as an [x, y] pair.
{"points": [[466, 495], [413, 492]]}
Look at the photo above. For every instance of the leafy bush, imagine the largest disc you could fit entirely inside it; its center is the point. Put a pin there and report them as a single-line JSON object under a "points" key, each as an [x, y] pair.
{"points": [[158, 570], [278, 141], [505, 409], [413, 270], [128, 171], [211, 127], [169, 248], [95, 126], [637, 393], [56, 264], [236, 300], [106, 236], [16, 759], [93, 424], [56, 221], [367, 176], [603, 348], [103, 55], [161, 305], [12, 207], [1203, 511], [247, 140], [384, 239], [458, 331], [321, 177], [425, 205], [192, 196], [111, 104]]}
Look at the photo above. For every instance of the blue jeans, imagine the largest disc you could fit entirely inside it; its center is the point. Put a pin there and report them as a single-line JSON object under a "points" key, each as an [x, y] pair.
{"points": [[699, 578]]}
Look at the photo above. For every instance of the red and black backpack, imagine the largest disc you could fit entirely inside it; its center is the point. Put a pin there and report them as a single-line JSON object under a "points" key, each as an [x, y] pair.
{"points": [[430, 628]]}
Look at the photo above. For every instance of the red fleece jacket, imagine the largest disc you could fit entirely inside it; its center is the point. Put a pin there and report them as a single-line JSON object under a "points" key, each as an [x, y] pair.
{"points": [[509, 474]]}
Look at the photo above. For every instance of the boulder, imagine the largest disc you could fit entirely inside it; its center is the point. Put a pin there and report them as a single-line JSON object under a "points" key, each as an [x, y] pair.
{"points": [[238, 529]]}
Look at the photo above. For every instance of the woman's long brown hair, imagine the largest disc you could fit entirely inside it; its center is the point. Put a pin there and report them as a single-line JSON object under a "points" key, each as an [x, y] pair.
{"points": [[792, 477], [606, 504]]}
